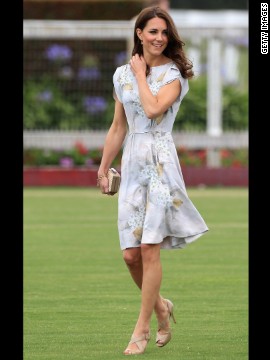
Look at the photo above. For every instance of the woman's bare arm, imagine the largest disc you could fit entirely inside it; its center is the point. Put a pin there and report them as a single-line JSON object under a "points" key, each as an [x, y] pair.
{"points": [[113, 143], [153, 105]]}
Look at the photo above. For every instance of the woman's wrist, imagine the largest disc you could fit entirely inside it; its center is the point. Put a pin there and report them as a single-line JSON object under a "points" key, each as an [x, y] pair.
{"points": [[140, 75], [100, 177], [102, 173]]}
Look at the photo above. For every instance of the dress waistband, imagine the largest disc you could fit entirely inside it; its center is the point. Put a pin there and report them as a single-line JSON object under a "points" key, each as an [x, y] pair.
{"points": [[149, 132]]}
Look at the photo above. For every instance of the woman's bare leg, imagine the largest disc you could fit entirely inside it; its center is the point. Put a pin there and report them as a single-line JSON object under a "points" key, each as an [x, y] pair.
{"points": [[147, 276], [133, 260]]}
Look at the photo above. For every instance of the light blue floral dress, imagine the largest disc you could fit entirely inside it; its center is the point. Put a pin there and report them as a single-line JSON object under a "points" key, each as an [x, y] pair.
{"points": [[153, 205]]}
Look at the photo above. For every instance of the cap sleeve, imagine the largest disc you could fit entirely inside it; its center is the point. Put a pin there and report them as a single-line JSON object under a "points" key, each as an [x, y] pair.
{"points": [[174, 73], [117, 90]]}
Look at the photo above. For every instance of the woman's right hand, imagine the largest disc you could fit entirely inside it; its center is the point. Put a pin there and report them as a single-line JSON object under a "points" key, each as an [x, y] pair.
{"points": [[138, 64], [103, 183]]}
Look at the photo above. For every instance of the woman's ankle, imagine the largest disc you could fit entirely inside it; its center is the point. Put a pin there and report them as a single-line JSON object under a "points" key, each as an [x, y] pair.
{"points": [[140, 332], [160, 305]]}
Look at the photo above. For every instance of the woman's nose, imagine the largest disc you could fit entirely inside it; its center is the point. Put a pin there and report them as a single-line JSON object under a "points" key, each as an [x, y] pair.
{"points": [[159, 36]]}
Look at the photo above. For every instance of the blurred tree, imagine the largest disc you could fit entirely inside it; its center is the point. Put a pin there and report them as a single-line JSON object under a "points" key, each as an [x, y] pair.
{"points": [[113, 9], [164, 4], [81, 9], [209, 4]]}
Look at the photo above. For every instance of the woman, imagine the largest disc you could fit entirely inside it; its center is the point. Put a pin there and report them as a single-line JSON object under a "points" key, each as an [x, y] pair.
{"points": [[154, 211]]}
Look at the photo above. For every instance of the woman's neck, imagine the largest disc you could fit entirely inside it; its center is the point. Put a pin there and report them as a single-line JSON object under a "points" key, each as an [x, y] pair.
{"points": [[152, 61]]}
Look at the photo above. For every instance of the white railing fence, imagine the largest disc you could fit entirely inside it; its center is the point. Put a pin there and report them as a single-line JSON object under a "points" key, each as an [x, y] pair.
{"points": [[215, 30], [63, 140]]}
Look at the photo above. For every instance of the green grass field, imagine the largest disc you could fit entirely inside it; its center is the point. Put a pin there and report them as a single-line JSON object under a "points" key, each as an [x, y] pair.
{"points": [[79, 299]]}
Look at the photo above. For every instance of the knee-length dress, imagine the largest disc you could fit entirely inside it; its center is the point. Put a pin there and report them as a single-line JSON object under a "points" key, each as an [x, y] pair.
{"points": [[153, 204]]}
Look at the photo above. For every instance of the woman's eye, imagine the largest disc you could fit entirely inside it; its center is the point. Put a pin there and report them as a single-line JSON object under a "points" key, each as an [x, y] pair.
{"points": [[154, 32]]}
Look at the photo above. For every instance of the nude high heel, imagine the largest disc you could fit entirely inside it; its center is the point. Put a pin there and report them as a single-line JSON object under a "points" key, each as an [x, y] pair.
{"points": [[140, 347], [163, 339]]}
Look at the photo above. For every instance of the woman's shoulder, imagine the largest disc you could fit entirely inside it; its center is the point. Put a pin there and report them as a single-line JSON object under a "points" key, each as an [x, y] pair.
{"points": [[122, 68], [123, 74], [174, 73], [175, 70]]}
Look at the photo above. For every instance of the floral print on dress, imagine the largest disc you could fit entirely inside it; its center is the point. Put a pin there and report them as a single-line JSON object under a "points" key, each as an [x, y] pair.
{"points": [[159, 193], [136, 220], [139, 109], [155, 86], [146, 174], [125, 80], [162, 147], [153, 205], [126, 77]]}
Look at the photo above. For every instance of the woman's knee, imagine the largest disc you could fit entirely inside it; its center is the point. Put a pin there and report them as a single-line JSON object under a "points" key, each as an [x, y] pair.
{"points": [[150, 252], [132, 257]]}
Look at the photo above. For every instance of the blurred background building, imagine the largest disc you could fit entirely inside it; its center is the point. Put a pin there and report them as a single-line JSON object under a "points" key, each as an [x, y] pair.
{"points": [[72, 48]]}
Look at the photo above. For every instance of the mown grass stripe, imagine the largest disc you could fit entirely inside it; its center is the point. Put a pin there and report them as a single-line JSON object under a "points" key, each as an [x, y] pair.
{"points": [[80, 302]]}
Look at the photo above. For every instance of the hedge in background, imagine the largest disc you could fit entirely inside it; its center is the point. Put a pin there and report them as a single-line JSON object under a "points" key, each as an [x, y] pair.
{"points": [[79, 155], [46, 106]]}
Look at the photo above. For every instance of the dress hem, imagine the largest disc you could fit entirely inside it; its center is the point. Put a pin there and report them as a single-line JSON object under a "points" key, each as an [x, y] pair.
{"points": [[180, 244]]}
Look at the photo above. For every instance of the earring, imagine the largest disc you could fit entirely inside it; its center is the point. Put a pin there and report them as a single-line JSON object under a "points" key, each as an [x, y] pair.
{"points": [[141, 42]]}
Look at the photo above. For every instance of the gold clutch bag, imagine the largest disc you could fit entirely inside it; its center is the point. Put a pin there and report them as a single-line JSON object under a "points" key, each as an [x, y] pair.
{"points": [[114, 181]]}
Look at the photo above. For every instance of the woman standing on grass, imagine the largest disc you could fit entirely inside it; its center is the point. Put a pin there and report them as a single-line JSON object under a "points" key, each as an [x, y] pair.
{"points": [[154, 210]]}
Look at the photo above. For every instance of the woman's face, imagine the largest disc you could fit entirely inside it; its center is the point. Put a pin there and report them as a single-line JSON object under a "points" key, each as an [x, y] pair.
{"points": [[154, 37]]}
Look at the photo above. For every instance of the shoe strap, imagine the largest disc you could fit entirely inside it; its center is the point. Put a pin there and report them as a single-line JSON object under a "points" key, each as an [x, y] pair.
{"points": [[137, 340]]}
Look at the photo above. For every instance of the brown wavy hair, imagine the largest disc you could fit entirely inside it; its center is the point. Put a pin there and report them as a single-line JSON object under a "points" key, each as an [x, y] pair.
{"points": [[174, 49]]}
